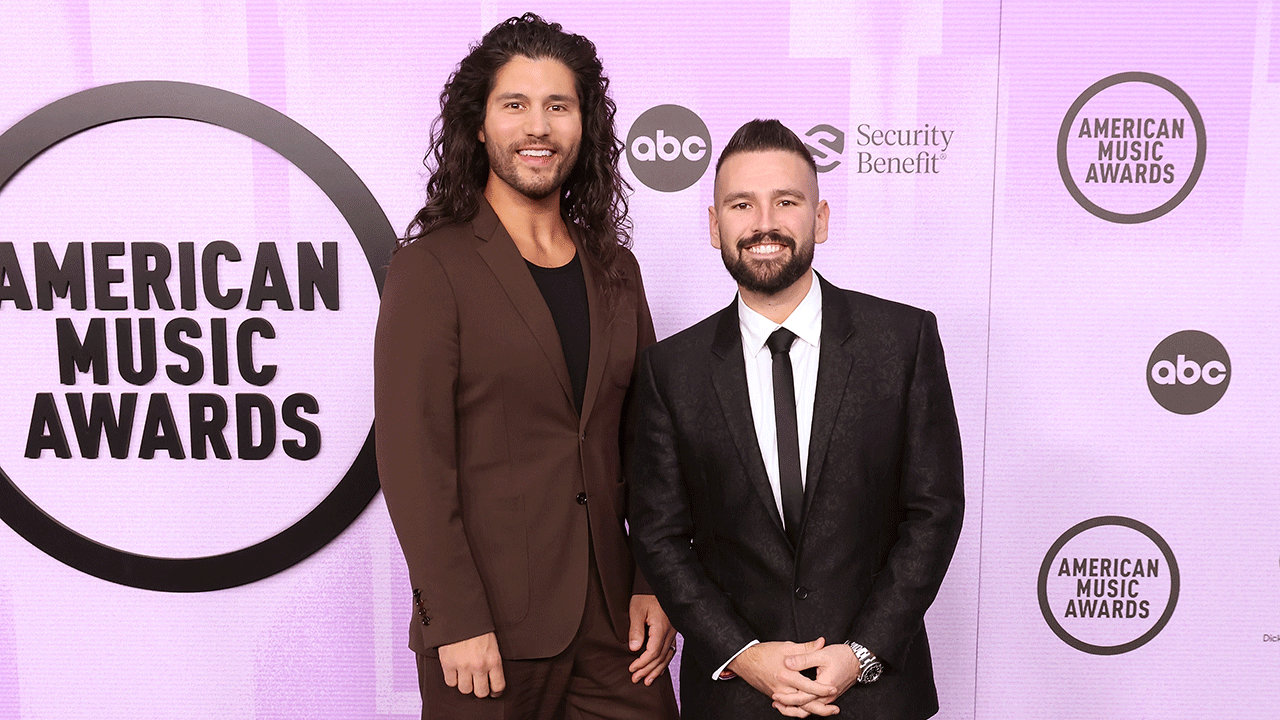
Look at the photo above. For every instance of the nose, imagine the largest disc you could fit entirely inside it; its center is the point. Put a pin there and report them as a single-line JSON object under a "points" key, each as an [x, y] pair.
{"points": [[765, 219], [536, 123]]}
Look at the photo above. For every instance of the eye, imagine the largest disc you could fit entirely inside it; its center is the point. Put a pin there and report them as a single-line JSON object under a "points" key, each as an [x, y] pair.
{"points": [[514, 104], [786, 202], [740, 206]]}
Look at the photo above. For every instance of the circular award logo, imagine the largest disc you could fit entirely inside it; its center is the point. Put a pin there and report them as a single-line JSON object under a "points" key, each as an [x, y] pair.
{"points": [[1108, 585], [668, 148], [1131, 147], [191, 396], [1188, 372]]}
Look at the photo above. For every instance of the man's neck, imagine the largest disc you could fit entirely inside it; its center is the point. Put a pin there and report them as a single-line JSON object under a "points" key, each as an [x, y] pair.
{"points": [[536, 226], [779, 306]]}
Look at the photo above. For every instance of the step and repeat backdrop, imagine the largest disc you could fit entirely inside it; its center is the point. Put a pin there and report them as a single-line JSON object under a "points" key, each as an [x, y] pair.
{"points": [[198, 201]]}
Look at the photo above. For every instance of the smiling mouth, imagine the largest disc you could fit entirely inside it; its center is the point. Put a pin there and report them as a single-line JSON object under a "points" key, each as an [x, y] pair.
{"points": [[535, 153], [766, 243]]}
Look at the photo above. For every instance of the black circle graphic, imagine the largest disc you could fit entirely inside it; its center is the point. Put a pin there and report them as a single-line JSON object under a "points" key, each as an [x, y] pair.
{"points": [[74, 114], [675, 173], [1047, 566], [1069, 121], [1202, 349]]}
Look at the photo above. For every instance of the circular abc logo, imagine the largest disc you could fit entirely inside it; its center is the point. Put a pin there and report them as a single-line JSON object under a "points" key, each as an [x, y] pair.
{"points": [[1188, 372], [668, 148]]}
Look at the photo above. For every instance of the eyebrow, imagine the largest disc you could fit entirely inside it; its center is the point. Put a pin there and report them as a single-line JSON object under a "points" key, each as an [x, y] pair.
{"points": [[522, 96], [779, 193]]}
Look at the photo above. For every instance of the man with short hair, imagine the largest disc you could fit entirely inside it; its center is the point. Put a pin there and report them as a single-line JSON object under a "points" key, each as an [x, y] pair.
{"points": [[796, 475], [511, 319]]}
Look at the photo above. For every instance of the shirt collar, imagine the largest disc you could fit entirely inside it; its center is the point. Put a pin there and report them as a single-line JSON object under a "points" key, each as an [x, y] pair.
{"points": [[805, 321]]}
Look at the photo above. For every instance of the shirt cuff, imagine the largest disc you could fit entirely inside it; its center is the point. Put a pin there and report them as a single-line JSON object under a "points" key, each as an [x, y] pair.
{"points": [[720, 671]]}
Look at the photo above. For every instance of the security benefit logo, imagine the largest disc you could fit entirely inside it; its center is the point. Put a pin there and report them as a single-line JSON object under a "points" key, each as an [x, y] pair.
{"points": [[668, 148], [188, 314], [826, 144], [1131, 147], [1188, 372], [1108, 585], [905, 150]]}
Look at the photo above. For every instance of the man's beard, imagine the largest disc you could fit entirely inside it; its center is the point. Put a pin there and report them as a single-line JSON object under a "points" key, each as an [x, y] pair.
{"points": [[540, 185], [767, 277]]}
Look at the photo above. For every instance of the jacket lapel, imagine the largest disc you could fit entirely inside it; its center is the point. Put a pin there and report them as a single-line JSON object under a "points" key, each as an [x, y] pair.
{"points": [[499, 251], [837, 357], [729, 377], [599, 353]]}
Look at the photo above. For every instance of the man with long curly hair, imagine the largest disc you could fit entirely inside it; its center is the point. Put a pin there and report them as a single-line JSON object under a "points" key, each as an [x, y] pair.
{"points": [[511, 320]]}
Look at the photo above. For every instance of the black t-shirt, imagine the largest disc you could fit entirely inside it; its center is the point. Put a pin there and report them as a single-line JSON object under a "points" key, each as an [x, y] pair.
{"points": [[565, 290]]}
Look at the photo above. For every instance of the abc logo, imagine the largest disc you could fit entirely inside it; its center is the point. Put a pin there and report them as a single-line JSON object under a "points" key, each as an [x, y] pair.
{"points": [[1188, 372], [668, 148]]}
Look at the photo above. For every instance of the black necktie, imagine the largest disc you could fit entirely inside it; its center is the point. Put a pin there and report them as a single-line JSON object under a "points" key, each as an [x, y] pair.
{"points": [[784, 413]]}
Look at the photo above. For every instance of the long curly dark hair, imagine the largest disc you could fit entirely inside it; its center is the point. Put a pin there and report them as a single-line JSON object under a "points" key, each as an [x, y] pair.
{"points": [[593, 197]]}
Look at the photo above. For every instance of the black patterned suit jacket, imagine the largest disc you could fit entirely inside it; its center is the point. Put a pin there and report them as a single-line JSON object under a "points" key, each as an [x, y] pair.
{"points": [[884, 501]]}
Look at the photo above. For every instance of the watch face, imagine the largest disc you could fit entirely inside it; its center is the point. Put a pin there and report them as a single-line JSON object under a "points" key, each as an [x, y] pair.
{"points": [[871, 673]]}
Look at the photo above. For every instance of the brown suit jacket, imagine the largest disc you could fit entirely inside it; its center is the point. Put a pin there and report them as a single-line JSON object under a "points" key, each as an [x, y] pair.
{"points": [[492, 478]]}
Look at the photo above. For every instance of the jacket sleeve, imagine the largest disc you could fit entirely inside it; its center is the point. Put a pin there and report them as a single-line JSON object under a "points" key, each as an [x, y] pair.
{"points": [[645, 337], [662, 533], [931, 508], [416, 361]]}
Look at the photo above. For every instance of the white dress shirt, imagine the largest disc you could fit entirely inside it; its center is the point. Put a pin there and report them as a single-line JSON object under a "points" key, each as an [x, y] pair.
{"points": [[806, 322]]}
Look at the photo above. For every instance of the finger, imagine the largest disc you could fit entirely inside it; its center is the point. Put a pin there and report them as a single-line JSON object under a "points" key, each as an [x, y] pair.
{"points": [[794, 697], [635, 637], [790, 711], [480, 683], [658, 643], [813, 645], [464, 683], [790, 648], [661, 665], [801, 661], [450, 676], [821, 707], [497, 681], [647, 658], [652, 652], [645, 669], [656, 673], [799, 682]]}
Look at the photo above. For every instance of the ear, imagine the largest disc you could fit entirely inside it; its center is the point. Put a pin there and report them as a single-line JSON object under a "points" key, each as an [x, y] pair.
{"points": [[480, 135], [714, 222], [820, 226]]}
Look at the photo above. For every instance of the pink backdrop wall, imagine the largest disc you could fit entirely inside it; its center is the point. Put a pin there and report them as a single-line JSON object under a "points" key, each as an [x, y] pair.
{"points": [[1053, 317]]}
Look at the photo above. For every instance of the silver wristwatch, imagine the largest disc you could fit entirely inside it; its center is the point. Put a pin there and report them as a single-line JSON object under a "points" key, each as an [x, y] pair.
{"points": [[871, 666]]}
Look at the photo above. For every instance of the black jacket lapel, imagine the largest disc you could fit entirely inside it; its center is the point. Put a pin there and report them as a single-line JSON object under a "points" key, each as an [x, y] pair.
{"points": [[729, 376], [835, 359]]}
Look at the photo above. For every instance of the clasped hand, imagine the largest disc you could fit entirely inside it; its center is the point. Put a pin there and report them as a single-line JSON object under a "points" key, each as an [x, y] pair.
{"points": [[774, 668]]}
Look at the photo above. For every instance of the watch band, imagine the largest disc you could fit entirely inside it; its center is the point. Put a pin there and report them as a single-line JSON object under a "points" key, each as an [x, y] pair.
{"points": [[872, 668]]}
